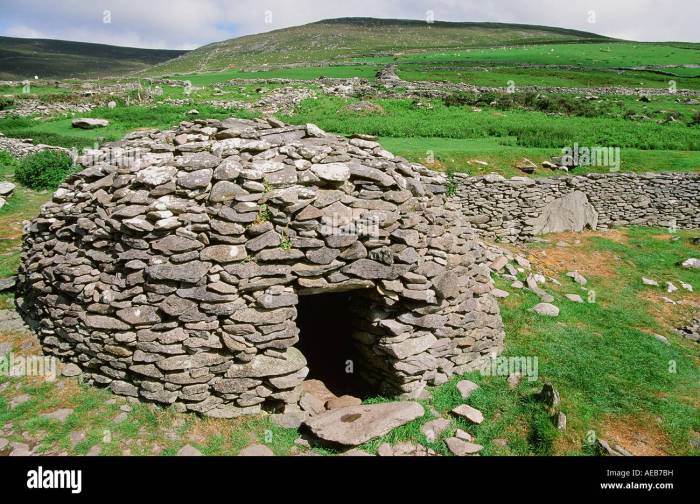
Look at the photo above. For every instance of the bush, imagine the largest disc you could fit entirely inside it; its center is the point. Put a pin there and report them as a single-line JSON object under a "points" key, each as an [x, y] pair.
{"points": [[695, 119], [6, 102], [7, 161], [44, 170]]}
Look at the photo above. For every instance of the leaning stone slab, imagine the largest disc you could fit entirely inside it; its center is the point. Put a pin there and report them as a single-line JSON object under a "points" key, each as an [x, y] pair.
{"points": [[572, 212], [354, 425]]}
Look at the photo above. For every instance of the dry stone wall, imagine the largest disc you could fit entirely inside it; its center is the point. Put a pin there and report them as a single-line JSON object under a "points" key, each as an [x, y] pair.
{"points": [[171, 266], [519, 208]]}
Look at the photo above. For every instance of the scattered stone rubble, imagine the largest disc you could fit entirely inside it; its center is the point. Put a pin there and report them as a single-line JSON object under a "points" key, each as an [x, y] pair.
{"points": [[21, 147], [283, 100], [169, 269], [30, 107]]}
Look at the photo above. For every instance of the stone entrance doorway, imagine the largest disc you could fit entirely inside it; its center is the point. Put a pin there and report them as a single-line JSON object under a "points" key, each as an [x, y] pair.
{"points": [[326, 325]]}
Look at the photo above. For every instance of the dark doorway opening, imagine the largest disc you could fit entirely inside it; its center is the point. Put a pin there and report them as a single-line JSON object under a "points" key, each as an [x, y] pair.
{"points": [[325, 323]]}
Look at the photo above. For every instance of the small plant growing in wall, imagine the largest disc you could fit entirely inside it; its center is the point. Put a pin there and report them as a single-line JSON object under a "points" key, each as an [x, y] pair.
{"points": [[451, 186], [264, 214], [286, 242]]}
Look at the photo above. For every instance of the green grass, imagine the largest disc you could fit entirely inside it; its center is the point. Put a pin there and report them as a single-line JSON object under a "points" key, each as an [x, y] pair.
{"points": [[22, 205], [603, 54], [554, 77], [598, 354], [502, 154], [58, 131], [403, 119]]}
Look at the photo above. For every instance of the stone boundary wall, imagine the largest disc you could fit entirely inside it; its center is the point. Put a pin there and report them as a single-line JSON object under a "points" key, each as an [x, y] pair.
{"points": [[519, 208]]}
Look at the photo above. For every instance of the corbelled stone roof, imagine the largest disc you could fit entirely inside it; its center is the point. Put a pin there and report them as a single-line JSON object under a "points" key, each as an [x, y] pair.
{"points": [[170, 267]]}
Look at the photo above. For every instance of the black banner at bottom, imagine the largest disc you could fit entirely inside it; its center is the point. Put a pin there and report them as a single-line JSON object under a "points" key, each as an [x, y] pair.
{"points": [[114, 477]]}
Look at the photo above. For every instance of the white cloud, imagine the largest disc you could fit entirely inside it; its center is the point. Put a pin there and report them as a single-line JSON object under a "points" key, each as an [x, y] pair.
{"points": [[185, 24]]}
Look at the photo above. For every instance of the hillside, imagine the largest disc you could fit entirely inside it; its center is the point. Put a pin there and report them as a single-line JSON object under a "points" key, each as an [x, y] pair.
{"points": [[22, 58], [341, 39]]}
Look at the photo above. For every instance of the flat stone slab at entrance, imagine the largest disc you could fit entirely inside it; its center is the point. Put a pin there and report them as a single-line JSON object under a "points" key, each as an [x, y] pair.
{"points": [[354, 425]]}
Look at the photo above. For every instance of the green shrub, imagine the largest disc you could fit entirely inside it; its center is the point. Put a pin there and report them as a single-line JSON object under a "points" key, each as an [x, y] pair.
{"points": [[7, 160], [695, 119], [44, 170], [523, 101], [6, 102], [451, 186]]}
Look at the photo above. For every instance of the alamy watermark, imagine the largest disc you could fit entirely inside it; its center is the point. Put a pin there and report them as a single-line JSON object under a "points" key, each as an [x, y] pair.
{"points": [[523, 365], [12, 365], [117, 155], [361, 224], [52, 479], [591, 156]]}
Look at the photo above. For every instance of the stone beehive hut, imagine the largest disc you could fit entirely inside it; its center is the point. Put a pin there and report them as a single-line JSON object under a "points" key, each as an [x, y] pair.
{"points": [[173, 267]]}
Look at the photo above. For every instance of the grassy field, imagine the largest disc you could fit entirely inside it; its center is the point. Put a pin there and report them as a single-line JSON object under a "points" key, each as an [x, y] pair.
{"points": [[23, 205], [402, 118], [58, 130], [456, 135], [551, 77], [608, 54], [502, 153], [662, 134]]}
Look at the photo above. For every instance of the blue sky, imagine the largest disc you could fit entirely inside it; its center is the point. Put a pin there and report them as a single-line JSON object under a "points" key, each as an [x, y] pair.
{"points": [[186, 24]]}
